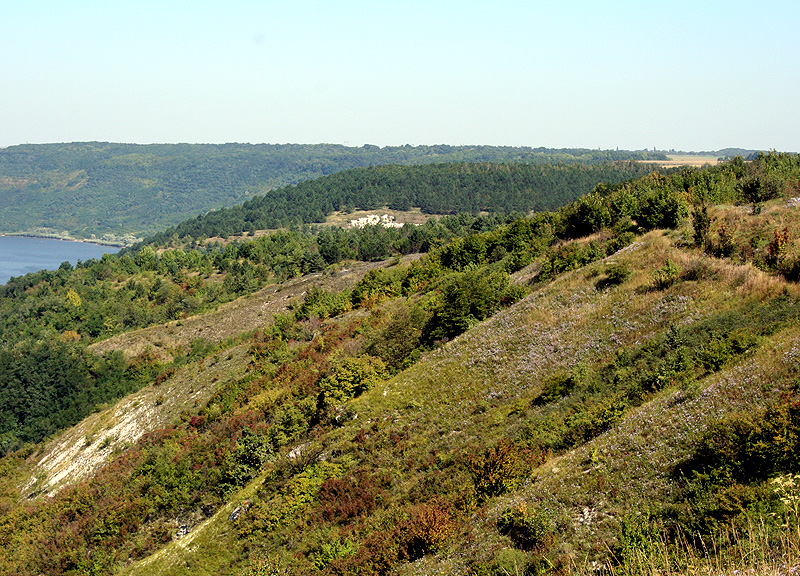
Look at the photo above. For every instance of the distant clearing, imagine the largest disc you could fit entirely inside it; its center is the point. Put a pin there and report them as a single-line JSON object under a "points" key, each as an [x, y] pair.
{"points": [[685, 160], [342, 219], [413, 216]]}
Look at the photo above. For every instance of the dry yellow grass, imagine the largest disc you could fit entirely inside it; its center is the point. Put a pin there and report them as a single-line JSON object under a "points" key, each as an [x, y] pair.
{"points": [[676, 160]]}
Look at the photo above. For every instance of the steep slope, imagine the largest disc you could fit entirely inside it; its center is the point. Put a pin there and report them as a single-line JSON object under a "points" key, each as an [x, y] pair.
{"points": [[482, 388], [234, 318], [80, 451]]}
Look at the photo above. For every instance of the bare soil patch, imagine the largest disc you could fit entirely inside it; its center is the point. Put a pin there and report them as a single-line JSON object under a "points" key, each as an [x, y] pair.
{"points": [[676, 160]]}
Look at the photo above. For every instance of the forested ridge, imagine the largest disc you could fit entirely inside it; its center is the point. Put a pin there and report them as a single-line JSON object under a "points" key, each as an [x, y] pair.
{"points": [[446, 188], [652, 367], [110, 188]]}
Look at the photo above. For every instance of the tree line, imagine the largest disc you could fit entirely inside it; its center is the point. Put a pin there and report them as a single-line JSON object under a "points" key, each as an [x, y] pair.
{"points": [[434, 188]]}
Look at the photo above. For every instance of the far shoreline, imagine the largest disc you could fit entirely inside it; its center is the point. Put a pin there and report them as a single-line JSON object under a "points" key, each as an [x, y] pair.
{"points": [[119, 245]]}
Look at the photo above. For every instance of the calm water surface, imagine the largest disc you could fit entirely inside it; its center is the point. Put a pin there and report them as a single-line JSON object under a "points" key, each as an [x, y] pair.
{"points": [[20, 255]]}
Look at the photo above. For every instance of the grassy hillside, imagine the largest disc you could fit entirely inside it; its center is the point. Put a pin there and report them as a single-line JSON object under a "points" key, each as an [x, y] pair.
{"points": [[610, 388], [111, 189]]}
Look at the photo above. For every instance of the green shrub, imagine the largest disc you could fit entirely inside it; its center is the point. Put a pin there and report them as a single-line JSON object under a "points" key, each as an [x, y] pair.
{"points": [[334, 548], [397, 341], [289, 422], [659, 208], [615, 274], [496, 470], [701, 226], [759, 188], [469, 298], [323, 304], [588, 419], [560, 385], [721, 349], [570, 257], [463, 253], [665, 276], [377, 285], [585, 216], [530, 529], [748, 447], [246, 460], [352, 377], [623, 237]]}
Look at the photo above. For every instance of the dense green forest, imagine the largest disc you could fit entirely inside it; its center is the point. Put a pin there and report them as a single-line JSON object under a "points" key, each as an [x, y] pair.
{"points": [[440, 465], [108, 188]]}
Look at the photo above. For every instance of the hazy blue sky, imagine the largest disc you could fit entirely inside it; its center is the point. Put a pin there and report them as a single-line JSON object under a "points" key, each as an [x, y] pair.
{"points": [[698, 75]]}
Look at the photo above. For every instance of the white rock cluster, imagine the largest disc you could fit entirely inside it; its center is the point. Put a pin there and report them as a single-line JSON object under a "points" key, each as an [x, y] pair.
{"points": [[375, 220]]}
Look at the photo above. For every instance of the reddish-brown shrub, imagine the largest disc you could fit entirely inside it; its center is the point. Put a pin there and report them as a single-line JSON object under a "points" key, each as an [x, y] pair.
{"points": [[376, 556], [341, 500], [425, 531]]}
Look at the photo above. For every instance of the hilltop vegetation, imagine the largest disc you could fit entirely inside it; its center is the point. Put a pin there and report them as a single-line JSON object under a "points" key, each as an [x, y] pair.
{"points": [[610, 386], [114, 189], [48, 318]]}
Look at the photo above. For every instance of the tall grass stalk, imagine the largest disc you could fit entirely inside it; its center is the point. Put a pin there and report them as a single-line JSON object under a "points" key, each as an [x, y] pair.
{"points": [[758, 548]]}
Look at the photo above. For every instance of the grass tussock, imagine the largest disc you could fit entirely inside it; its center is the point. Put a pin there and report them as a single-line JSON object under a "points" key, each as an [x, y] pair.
{"points": [[757, 549]]}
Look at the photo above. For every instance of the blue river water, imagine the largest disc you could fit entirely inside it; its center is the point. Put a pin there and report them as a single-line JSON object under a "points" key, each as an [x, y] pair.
{"points": [[20, 255]]}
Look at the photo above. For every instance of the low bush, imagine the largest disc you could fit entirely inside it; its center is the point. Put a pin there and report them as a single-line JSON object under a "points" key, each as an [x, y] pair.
{"points": [[665, 276], [396, 342], [344, 499], [468, 298], [351, 378], [427, 529], [615, 274], [749, 447], [496, 470], [530, 529], [322, 304], [588, 419], [556, 387]]}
